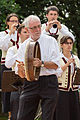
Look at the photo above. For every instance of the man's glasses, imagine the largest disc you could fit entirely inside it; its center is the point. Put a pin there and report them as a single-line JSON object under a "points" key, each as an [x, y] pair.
{"points": [[35, 27], [14, 21], [69, 43]]}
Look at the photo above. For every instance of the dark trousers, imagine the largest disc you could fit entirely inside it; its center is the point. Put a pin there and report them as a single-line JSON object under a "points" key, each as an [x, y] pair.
{"points": [[5, 96], [68, 106], [14, 104], [46, 90]]}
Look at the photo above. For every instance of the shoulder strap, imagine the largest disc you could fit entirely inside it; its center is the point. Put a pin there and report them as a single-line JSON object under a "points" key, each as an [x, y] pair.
{"points": [[64, 60], [6, 32]]}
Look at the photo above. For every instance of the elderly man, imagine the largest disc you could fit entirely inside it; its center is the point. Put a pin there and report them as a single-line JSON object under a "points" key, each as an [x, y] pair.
{"points": [[46, 87]]}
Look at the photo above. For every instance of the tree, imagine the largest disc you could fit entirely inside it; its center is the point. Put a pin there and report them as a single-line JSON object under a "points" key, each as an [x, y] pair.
{"points": [[69, 12], [7, 7]]}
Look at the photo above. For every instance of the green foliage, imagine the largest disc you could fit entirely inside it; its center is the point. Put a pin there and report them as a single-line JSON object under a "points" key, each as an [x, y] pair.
{"points": [[34, 7], [3, 118], [69, 12], [7, 7]]}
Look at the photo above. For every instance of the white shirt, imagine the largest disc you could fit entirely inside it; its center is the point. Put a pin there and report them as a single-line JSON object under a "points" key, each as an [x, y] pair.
{"points": [[64, 31], [49, 52], [11, 57], [5, 39]]}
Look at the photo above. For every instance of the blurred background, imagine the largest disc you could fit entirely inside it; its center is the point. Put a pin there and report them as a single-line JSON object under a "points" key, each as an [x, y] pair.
{"points": [[69, 14]]}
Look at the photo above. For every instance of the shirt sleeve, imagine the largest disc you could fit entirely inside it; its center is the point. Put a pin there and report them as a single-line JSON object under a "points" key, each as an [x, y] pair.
{"points": [[59, 72], [44, 32], [43, 29], [20, 56], [10, 58], [4, 40], [54, 53], [65, 31]]}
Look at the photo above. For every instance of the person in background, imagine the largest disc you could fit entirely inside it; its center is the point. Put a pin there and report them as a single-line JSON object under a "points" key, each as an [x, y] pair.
{"points": [[11, 53], [68, 102], [10, 62], [8, 38], [53, 27]]}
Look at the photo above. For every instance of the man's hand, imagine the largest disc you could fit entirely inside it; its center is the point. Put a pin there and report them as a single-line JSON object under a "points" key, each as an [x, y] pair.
{"points": [[51, 23], [49, 26], [57, 23], [21, 71], [37, 62]]}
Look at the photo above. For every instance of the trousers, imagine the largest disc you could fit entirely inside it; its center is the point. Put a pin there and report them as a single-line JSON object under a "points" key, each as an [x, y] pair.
{"points": [[5, 96], [46, 90], [14, 104]]}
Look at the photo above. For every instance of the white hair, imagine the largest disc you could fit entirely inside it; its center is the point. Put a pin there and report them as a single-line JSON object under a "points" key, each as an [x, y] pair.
{"points": [[29, 19]]}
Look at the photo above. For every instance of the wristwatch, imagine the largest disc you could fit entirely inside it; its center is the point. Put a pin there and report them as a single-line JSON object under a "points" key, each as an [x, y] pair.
{"points": [[42, 65]]}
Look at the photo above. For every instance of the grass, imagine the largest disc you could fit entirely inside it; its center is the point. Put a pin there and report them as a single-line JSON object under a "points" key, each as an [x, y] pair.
{"points": [[3, 117]]}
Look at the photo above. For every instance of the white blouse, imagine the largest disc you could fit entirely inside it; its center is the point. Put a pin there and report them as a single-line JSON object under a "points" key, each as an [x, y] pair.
{"points": [[5, 39], [49, 52]]}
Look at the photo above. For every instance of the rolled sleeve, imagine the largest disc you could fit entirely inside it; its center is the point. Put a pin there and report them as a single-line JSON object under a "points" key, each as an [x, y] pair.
{"points": [[59, 72], [4, 40], [65, 31]]}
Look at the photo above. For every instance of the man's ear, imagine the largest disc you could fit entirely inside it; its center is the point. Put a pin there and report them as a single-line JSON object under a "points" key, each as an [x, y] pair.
{"points": [[58, 14], [27, 30], [7, 23]]}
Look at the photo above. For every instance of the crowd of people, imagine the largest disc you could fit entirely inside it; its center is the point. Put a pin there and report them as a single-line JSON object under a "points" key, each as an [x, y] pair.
{"points": [[54, 90]]}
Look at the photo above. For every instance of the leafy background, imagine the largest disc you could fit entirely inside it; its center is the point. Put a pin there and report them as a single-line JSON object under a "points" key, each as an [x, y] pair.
{"points": [[69, 14]]}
